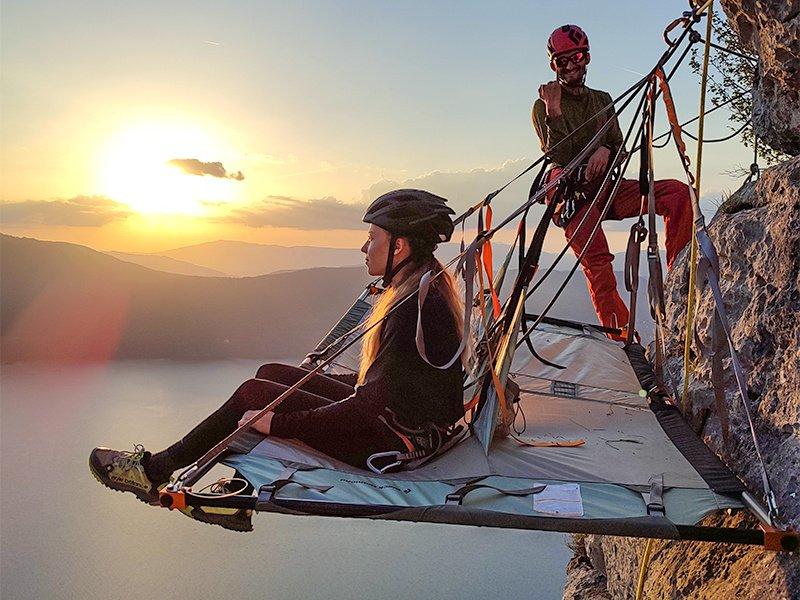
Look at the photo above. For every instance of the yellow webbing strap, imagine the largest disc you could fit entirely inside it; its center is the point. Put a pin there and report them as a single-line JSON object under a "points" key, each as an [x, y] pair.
{"points": [[643, 569], [688, 367]]}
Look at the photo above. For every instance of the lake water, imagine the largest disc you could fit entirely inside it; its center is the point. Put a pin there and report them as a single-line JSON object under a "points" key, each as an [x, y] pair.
{"points": [[62, 535]]}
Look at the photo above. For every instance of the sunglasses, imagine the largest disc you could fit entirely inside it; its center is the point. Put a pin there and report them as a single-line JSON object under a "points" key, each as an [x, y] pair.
{"points": [[577, 58]]}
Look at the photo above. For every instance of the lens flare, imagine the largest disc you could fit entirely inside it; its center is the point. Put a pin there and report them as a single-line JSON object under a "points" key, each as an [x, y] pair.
{"points": [[133, 169]]}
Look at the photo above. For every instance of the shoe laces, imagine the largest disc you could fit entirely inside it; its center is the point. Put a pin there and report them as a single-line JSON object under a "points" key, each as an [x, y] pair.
{"points": [[126, 460]]}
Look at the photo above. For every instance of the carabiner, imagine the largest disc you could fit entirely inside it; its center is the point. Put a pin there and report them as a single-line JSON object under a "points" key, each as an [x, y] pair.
{"points": [[390, 454]]}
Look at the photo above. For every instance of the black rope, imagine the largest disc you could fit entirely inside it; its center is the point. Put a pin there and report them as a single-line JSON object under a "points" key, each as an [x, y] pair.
{"points": [[663, 59], [722, 139], [668, 134], [566, 173], [664, 145], [729, 51], [489, 197]]}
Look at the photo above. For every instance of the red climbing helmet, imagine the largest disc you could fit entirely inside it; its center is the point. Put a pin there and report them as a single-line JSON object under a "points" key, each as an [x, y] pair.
{"points": [[567, 38]]}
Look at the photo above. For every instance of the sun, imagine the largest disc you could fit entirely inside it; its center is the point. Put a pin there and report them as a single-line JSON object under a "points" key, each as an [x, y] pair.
{"points": [[133, 169]]}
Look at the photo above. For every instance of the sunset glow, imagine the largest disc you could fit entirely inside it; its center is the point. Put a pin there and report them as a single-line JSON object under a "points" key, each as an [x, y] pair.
{"points": [[133, 169]]}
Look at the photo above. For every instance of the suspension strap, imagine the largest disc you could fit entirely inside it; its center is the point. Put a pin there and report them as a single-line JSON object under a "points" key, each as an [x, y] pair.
{"points": [[346, 325], [688, 368], [656, 278], [487, 259], [485, 397], [717, 349], [637, 235], [529, 268], [468, 261], [708, 272]]}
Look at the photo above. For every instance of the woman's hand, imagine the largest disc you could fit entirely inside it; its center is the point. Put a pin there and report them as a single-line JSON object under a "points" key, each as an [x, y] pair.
{"points": [[262, 425]]}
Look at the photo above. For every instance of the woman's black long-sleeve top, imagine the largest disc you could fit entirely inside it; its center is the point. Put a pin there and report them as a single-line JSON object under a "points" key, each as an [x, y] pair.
{"points": [[399, 379]]}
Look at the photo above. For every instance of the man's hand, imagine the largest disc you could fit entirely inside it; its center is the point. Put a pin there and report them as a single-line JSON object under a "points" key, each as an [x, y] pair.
{"points": [[262, 425], [550, 93], [597, 163]]}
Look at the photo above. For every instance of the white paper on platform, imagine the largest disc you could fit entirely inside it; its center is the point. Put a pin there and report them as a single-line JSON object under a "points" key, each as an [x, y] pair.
{"points": [[561, 500]]}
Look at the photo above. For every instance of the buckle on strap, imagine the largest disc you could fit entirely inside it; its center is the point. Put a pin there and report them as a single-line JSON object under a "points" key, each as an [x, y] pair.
{"points": [[655, 501]]}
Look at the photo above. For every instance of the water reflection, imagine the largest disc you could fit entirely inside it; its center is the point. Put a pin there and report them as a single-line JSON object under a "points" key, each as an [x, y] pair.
{"points": [[65, 536]]}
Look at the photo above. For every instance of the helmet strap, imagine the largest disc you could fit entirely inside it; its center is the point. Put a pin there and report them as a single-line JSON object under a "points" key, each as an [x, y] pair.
{"points": [[388, 272], [391, 268]]}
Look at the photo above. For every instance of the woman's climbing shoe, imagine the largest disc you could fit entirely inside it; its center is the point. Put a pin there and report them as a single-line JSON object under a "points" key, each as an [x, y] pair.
{"points": [[124, 472]]}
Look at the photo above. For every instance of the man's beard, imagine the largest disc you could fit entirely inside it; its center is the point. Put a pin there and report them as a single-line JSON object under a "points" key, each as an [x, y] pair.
{"points": [[577, 82]]}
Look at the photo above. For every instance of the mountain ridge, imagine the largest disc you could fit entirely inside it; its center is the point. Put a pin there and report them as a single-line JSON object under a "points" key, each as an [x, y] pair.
{"points": [[67, 301]]}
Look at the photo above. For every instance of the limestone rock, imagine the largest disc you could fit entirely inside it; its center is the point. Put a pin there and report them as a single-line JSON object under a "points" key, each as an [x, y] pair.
{"points": [[757, 236], [772, 29]]}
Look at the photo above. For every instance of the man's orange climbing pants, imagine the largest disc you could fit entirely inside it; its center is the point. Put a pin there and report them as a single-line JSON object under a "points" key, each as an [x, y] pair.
{"points": [[672, 203]]}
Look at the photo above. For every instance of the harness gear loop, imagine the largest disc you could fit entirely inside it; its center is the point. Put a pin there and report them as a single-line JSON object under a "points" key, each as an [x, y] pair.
{"points": [[423, 444]]}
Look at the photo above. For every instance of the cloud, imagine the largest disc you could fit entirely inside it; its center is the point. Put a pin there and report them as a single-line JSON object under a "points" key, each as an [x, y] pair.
{"points": [[286, 211], [462, 188], [193, 166], [80, 211], [465, 188]]}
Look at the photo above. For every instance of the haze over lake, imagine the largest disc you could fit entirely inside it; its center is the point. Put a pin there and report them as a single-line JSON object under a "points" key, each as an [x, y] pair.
{"points": [[65, 536]]}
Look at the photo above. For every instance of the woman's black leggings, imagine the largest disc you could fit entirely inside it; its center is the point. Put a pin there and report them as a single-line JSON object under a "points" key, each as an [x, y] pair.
{"points": [[254, 394]]}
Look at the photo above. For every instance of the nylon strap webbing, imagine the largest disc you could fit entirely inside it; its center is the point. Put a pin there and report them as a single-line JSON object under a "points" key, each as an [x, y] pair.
{"points": [[457, 497], [655, 500], [708, 272]]}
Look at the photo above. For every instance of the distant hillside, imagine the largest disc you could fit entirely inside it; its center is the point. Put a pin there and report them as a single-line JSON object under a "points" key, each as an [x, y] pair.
{"points": [[244, 259], [167, 264], [65, 301]]}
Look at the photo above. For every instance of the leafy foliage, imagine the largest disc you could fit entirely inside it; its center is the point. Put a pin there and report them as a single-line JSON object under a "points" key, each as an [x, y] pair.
{"points": [[728, 77]]}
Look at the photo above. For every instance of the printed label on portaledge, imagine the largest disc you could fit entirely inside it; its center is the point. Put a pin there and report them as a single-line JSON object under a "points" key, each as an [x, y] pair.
{"points": [[376, 486]]}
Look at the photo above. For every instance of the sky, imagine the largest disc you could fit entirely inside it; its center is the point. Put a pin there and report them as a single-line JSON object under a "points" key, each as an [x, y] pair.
{"points": [[151, 125]]}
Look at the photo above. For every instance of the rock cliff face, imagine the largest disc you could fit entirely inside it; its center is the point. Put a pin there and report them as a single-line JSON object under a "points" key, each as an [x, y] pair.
{"points": [[772, 29], [757, 235]]}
